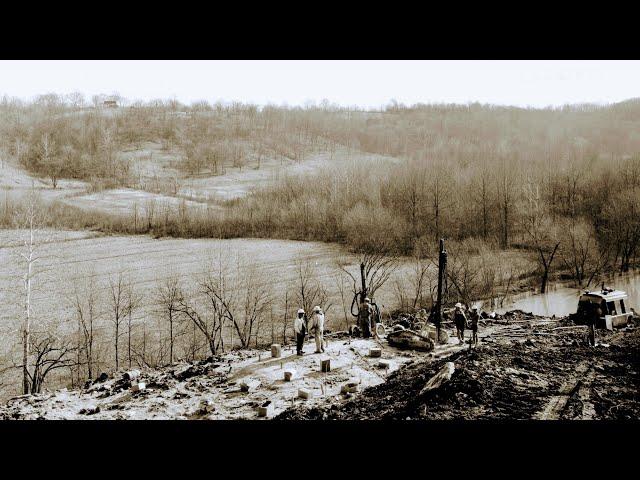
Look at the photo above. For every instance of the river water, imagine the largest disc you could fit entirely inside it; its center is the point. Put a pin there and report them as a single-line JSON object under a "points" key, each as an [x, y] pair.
{"points": [[561, 300]]}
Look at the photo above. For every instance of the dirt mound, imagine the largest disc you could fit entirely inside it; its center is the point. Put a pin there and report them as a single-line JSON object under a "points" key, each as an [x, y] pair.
{"points": [[510, 380]]}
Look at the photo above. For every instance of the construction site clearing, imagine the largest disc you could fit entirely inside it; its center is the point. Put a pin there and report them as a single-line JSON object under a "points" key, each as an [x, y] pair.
{"points": [[524, 367]]}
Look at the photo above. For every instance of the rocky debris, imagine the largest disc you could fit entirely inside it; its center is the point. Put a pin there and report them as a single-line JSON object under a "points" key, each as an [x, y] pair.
{"points": [[138, 387], [132, 375], [195, 369], [518, 367], [248, 385], [505, 379], [205, 408], [89, 411], [443, 376]]}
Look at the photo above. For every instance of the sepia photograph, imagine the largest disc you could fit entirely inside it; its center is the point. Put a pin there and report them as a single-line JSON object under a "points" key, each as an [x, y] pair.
{"points": [[320, 240]]}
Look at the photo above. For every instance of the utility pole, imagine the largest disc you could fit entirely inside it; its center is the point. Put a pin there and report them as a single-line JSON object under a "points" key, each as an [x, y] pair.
{"points": [[442, 266], [363, 295]]}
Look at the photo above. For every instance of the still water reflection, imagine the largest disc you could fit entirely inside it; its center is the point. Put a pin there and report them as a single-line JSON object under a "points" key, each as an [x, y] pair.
{"points": [[562, 300]]}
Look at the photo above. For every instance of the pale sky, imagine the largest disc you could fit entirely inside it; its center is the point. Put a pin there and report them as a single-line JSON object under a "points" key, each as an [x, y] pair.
{"points": [[368, 84]]}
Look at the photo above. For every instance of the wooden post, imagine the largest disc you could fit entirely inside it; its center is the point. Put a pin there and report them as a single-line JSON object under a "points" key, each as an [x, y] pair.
{"points": [[442, 266]]}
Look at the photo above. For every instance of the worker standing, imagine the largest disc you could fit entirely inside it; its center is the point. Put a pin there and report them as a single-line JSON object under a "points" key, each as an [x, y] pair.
{"points": [[375, 319], [593, 317], [317, 325], [300, 328], [460, 320], [474, 318], [365, 316]]}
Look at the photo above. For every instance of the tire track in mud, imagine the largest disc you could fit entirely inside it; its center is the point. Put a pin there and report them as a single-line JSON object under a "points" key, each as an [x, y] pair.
{"points": [[557, 403]]}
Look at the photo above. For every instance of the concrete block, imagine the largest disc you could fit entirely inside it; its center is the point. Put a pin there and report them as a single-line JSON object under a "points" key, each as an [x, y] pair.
{"points": [[325, 365], [137, 387], [289, 375], [384, 364], [276, 350], [249, 385], [304, 393], [375, 352], [266, 409]]}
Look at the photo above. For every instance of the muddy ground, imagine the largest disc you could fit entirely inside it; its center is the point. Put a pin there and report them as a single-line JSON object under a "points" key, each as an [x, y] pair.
{"points": [[540, 372], [525, 367]]}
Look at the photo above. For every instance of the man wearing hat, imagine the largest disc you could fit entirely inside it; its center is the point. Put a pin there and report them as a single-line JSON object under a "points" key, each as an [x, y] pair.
{"points": [[460, 320], [365, 317], [317, 326], [301, 330], [474, 318]]}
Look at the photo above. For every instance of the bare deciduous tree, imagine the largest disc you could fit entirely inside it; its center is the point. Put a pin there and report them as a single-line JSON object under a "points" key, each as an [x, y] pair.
{"points": [[83, 302], [169, 294], [32, 219], [50, 353], [310, 291], [118, 304]]}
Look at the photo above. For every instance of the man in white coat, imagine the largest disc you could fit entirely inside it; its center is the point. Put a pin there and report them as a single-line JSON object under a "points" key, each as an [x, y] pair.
{"points": [[317, 326]]}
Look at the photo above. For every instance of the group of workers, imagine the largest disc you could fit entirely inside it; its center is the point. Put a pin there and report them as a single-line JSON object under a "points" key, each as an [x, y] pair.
{"points": [[367, 320], [460, 321], [315, 325]]}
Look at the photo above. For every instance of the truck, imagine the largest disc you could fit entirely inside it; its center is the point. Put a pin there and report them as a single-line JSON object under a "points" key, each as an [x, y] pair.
{"points": [[614, 306]]}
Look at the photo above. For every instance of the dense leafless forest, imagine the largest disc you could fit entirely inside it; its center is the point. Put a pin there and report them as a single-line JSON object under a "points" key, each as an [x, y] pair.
{"points": [[558, 185]]}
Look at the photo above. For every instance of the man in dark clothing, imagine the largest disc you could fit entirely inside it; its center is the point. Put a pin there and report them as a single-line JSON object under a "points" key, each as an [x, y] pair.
{"points": [[592, 318], [460, 320], [474, 318], [300, 328], [365, 316]]}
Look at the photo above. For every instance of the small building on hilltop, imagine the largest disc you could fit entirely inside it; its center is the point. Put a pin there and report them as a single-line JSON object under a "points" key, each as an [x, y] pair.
{"points": [[110, 103]]}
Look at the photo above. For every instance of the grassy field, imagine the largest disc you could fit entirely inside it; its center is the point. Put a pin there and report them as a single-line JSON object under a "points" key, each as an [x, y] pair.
{"points": [[126, 201], [70, 259], [15, 182]]}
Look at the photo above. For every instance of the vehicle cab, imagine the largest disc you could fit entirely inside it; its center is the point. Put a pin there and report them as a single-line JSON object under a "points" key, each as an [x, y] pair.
{"points": [[616, 313]]}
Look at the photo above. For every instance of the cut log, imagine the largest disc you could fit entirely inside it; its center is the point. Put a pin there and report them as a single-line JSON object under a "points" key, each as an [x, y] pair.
{"points": [[440, 378], [410, 339]]}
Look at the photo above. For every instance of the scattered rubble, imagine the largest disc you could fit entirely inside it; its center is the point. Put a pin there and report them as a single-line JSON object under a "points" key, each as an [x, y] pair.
{"points": [[524, 367], [443, 376], [507, 378]]}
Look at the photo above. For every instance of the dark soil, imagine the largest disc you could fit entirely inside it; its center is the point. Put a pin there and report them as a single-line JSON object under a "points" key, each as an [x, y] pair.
{"points": [[507, 379]]}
